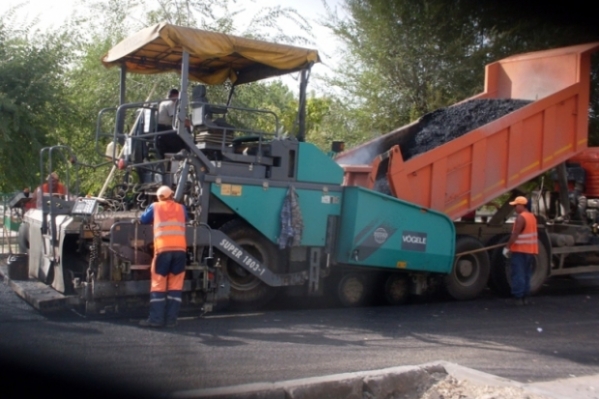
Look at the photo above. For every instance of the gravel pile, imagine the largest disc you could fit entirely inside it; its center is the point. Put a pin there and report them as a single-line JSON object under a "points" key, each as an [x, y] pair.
{"points": [[446, 124], [451, 388]]}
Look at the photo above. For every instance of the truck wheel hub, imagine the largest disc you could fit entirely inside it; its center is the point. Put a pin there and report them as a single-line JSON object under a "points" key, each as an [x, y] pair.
{"points": [[465, 268], [353, 289], [397, 289]]}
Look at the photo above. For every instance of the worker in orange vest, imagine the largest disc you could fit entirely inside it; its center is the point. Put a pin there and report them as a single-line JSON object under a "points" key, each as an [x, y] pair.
{"points": [[52, 186], [170, 258], [523, 246]]}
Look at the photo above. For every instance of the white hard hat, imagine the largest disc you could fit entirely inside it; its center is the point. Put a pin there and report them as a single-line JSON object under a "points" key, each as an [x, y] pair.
{"points": [[164, 192]]}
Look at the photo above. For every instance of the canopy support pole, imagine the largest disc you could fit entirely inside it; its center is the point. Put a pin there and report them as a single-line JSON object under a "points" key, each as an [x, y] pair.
{"points": [[122, 99], [231, 92], [123, 86], [183, 100], [301, 133]]}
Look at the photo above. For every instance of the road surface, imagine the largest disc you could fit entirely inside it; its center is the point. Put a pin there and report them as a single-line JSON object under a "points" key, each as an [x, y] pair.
{"points": [[556, 337]]}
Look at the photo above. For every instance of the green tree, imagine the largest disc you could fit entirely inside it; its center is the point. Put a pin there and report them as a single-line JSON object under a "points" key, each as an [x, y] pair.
{"points": [[82, 86], [407, 58], [32, 105], [330, 118], [273, 97], [404, 59]]}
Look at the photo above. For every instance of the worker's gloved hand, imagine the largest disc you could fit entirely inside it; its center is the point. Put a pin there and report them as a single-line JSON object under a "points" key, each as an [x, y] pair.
{"points": [[506, 252]]}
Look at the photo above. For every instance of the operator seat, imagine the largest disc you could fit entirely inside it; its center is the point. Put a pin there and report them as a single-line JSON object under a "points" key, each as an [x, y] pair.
{"points": [[207, 128]]}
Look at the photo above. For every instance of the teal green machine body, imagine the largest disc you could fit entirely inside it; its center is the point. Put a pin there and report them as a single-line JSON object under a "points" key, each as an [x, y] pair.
{"points": [[373, 229], [260, 205], [377, 230]]}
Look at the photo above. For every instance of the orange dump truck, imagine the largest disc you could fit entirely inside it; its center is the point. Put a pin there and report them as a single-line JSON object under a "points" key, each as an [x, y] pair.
{"points": [[547, 132]]}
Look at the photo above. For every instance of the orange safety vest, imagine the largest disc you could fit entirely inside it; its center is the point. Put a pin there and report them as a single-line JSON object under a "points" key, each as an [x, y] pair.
{"points": [[29, 205], [58, 188], [169, 227], [44, 191], [527, 240]]}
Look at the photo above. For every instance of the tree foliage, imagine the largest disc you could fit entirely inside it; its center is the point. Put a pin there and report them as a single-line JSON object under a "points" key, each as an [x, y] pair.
{"points": [[83, 86], [406, 58], [402, 59], [32, 105]]}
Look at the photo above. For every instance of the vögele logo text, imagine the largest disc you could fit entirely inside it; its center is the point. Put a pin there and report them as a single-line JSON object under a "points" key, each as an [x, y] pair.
{"points": [[414, 239]]}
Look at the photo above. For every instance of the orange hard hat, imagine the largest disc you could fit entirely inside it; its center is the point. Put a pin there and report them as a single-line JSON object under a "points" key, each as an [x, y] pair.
{"points": [[519, 201]]}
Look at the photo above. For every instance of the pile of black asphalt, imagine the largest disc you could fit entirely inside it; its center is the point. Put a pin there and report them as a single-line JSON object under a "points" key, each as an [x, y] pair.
{"points": [[446, 124]]}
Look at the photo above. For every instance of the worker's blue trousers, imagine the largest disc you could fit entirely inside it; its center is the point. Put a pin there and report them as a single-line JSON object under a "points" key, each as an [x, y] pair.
{"points": [[521, 265], [168, 276]]}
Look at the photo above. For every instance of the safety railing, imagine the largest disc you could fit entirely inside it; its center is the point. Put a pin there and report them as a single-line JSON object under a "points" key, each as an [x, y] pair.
{"points": [[9, 226], [148, 133]]}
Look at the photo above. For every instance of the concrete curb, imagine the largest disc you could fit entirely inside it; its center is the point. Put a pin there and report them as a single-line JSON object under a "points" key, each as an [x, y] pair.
{"points": [[405, 381], [484, 379], [390, 382], [586, 387]]}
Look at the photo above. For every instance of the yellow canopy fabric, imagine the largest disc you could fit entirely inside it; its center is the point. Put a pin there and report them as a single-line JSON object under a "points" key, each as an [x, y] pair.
{"points": [[213, 57]]}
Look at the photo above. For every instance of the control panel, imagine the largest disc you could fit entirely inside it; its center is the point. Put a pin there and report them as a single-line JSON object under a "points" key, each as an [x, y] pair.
{"points": [[85, 206]]}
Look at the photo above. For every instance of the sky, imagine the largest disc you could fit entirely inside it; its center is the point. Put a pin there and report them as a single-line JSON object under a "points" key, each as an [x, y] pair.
{"points": [[52, 13]]}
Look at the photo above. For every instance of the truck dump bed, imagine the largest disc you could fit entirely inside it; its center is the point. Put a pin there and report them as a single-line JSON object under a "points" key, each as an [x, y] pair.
{"points": [[473, 169]]}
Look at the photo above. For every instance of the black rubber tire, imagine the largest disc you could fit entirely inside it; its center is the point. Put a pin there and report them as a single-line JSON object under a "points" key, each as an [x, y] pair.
{"points": [[499, 280], [500, 275], [470, 273], [352, 290], [23, 238], [247, 291], [396, 289]]}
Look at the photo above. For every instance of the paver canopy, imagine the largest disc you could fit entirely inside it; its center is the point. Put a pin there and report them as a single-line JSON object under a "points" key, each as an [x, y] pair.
{"points": [[213, 57]]}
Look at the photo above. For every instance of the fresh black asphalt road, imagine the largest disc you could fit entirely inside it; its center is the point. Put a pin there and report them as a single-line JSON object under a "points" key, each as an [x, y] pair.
{"points": [[556, 337]]}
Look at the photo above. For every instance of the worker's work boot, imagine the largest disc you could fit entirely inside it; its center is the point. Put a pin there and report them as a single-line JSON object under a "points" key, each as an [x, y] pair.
{"points": [[515, 302], [171, 324], [148, 323], [519, 301]]}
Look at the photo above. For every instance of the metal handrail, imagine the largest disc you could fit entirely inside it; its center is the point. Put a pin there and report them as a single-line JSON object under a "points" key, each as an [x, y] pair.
{"points": [[99, 129]]}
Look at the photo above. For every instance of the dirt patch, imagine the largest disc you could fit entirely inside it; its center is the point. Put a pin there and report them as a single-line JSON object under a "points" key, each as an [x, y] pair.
{"points": [[451, 388]]}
